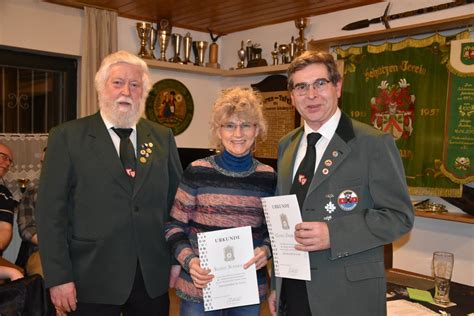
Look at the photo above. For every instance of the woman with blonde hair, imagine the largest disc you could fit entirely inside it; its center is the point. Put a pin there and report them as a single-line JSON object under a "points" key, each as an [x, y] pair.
{"points": [[223, 191]]}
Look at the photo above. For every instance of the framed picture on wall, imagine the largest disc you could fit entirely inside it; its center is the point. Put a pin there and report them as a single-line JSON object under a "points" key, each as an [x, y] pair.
{"points": [[280, 114]]}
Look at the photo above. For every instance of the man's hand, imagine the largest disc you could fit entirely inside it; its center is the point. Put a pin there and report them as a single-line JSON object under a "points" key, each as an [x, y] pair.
{"points": [[64, 298], [259, 258], [312, 236], [174, 275], [201, 277], [272, 303]]}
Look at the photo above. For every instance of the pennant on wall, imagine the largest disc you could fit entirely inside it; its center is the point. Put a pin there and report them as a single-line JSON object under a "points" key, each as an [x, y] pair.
{"points": [[458, 153]]}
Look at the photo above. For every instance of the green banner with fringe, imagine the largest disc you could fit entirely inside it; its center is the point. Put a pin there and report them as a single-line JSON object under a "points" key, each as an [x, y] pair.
{"points": [[458, 156], [402, 89]]}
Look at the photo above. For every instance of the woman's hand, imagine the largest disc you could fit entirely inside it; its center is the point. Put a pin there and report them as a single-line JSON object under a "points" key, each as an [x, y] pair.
{"points": [[201, 277], [259, 258]]}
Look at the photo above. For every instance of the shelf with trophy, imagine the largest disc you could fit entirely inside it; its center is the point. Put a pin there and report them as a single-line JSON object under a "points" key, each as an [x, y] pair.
{"points": [[250, 57]]}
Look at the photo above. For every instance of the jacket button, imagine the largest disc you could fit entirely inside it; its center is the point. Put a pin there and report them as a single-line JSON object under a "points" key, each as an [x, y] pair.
{"points": [[136, 209]]}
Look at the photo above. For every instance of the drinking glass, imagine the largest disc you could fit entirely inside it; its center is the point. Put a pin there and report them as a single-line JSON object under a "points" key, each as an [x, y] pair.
{"points": [[443, 263]]}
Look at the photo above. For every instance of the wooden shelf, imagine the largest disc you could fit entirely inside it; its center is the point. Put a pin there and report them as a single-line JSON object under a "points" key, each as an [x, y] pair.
{"points": [[182, 67], [254, 71], [409, 30], [447, 216]]}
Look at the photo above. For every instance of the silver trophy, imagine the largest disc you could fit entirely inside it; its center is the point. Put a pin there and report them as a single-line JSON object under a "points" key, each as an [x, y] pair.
{"points": [[164, 34], [187, 45], [292, 48], [241, 54], [283, 50], [143, 30], [275, 54], [199, 49], [153, 35], [176, 39]]}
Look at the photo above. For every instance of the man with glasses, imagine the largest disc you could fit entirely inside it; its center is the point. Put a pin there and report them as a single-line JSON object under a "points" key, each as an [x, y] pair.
{"points": [[7, 203], [351, 189]]}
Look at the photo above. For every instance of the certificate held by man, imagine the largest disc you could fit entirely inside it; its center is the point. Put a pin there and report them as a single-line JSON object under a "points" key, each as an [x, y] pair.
{"points": [[282, 213], [225, 252]]}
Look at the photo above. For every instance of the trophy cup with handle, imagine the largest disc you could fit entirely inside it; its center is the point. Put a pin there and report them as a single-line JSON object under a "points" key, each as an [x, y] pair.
{"points": [[187, 45], [164, 34], [143, 30], [176, 39]]}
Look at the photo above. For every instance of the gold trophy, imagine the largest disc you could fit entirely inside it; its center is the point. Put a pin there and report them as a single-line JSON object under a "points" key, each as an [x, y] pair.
{"points": [[164, 34], [301, 24], [143, 30], [23, 182]]}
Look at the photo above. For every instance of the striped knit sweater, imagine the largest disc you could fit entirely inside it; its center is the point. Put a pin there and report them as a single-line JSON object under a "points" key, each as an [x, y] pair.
{"points": [[211, 198]]}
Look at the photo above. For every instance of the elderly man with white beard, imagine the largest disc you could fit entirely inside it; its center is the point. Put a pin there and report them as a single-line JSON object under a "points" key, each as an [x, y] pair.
{"points": [[107, 185]]}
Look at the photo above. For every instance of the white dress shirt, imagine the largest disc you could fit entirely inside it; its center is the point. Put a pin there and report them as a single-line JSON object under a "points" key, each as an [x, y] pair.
{"points": [[327, 131], [116, 138]]}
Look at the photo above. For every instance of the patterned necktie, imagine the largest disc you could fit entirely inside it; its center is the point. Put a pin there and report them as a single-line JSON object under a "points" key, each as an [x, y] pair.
{"points": [[127, 153], [305, 171]]}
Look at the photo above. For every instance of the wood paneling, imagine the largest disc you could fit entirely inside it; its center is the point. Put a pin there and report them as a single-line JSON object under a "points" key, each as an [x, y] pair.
{"points": [[222, 17]]}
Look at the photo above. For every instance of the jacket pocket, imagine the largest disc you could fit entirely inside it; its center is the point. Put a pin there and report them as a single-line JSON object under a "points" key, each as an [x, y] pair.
{"points": [[365, 270]]}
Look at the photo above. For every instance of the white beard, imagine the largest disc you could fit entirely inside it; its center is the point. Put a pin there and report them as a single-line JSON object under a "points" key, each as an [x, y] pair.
{"points": [[111, 111]]}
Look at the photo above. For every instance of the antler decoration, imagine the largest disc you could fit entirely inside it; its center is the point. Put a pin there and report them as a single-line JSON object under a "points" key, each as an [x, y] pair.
{"points": [[213, 38]]}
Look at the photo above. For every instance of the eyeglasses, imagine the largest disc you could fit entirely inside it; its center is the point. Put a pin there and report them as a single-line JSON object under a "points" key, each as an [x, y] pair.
{"points": [[5, 157], [319, 85], [244, 127]]}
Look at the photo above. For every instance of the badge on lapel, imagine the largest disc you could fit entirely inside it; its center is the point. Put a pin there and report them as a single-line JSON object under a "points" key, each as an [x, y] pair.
{"points": [[145, 152], [347, 200]]}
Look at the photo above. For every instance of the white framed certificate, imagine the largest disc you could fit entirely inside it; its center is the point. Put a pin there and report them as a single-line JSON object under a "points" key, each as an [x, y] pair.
{"points": [[282, 213], [225, 252]]}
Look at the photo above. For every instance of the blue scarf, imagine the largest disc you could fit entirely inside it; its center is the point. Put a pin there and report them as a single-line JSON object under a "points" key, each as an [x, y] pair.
{"points": [[233, 163]]}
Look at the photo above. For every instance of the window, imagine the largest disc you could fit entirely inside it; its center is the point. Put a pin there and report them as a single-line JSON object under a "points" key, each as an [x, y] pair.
{"points": [[37, 91]]}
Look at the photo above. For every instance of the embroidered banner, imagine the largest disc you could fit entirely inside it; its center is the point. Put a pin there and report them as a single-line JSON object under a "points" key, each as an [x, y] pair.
{"points": [[458, 153], [401, 88]]}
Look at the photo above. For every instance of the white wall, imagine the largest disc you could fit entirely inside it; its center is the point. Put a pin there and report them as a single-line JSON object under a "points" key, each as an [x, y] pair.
{"points": [[36, 25]]}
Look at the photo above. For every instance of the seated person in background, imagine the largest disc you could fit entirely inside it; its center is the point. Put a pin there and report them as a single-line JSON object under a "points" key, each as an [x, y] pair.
{"points": [[7, 206], [7, 203], [27, 228]]}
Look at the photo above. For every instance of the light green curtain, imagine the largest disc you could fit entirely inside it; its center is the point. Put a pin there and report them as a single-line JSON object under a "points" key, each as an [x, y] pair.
{"points": [[99, 38]]}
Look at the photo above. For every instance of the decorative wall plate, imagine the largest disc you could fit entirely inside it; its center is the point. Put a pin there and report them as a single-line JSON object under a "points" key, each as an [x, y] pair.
{"points": [[169, 103]]}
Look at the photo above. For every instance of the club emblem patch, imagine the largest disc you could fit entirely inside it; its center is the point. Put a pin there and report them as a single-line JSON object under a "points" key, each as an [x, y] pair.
{"points": [[347, 200]]}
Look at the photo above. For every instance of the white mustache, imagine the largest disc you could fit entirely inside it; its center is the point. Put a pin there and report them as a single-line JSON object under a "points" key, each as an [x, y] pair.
{"points": [[123, 99]]}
